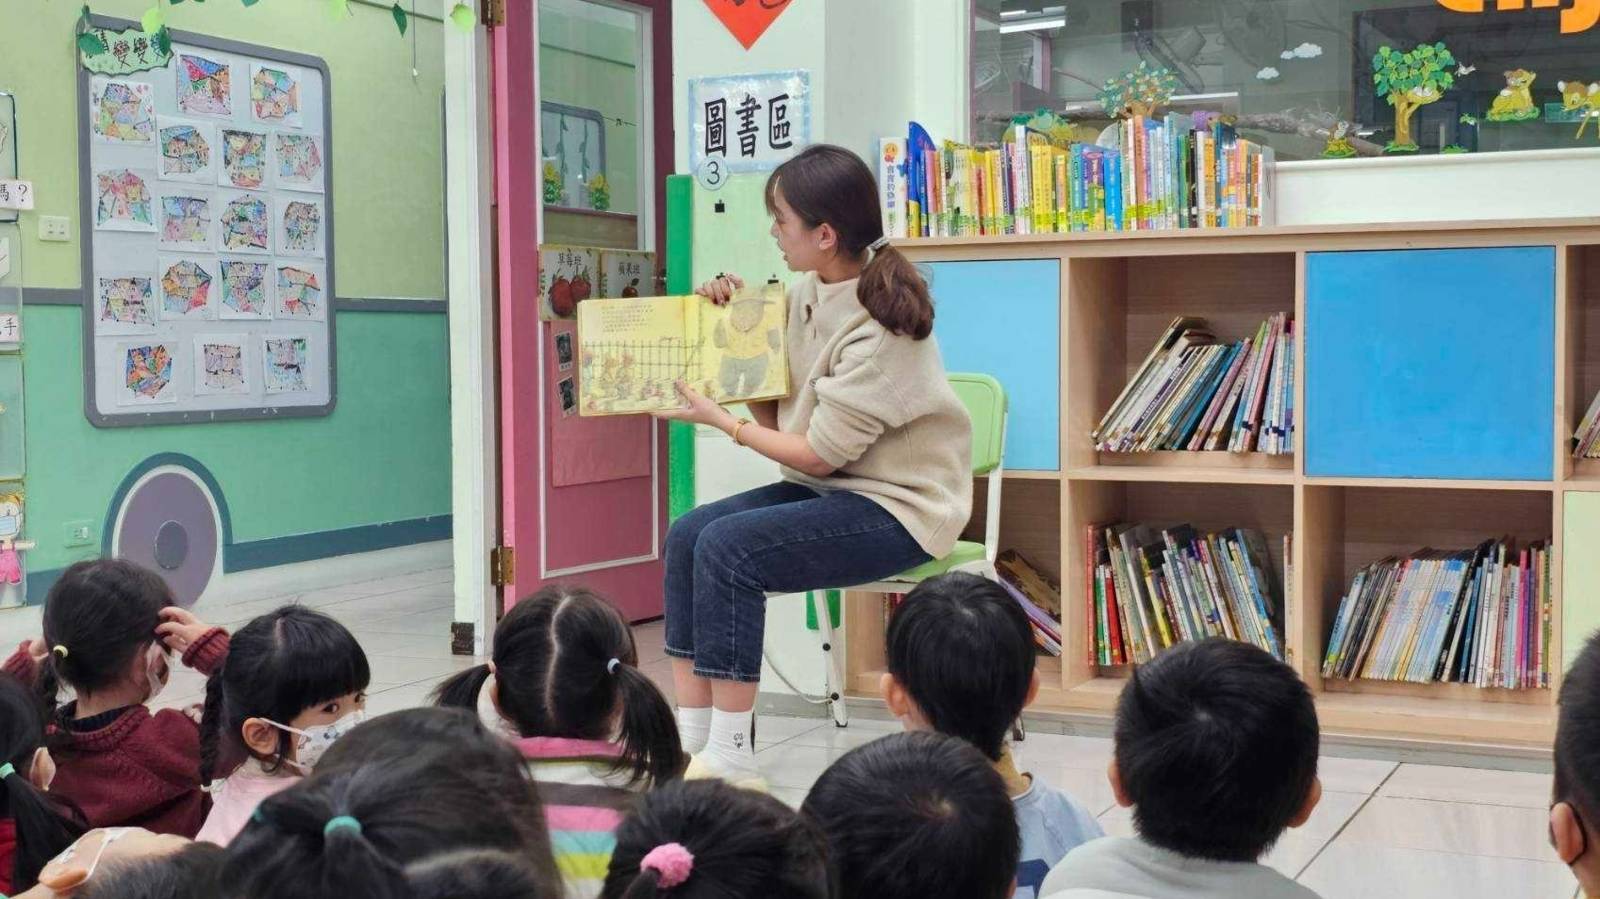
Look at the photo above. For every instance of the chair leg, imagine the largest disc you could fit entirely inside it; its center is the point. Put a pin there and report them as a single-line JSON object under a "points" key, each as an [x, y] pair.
{"points": [[1019, 731], [833, 661]]}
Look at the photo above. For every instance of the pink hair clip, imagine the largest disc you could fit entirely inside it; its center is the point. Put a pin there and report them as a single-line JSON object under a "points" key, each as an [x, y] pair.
{"points": [[671, 862]]}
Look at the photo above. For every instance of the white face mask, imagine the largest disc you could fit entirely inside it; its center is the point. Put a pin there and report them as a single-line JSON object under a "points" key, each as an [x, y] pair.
{"points": [[8, 526], [155, 666], [312, 742]]}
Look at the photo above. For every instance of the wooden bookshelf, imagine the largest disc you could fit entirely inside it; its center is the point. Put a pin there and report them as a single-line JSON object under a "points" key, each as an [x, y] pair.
{"points": [[1116, 293]]}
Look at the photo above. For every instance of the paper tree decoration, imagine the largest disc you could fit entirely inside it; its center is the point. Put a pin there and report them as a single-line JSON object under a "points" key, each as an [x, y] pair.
{"points": [[1138, 92], [599, 193], [1410, 81]]}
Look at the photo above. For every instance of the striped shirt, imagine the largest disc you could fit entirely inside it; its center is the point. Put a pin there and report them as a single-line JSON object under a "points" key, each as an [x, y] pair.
{"points": [[584, 802]]}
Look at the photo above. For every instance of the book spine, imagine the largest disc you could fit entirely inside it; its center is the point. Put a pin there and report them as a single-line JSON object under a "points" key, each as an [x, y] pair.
{"points": [[892, 185]]}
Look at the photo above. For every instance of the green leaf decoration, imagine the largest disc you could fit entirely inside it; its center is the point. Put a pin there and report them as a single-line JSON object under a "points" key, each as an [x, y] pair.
{"points": [[250, 2], [463, 17], [176, 2], [152, 19], [164, 37], [90, 44], [399, 17]]}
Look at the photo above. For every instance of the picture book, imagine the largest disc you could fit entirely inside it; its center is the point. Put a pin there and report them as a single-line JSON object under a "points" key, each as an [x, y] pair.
{"points": [[632, 352]]}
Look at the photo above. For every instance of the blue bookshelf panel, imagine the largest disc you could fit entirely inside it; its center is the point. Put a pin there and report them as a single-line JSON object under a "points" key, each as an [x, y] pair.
{"points": [[1003, 319], [1431, 363]]}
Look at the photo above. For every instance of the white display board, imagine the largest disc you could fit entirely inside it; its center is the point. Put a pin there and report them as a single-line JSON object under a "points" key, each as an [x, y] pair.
{"points": [[208, 236]]}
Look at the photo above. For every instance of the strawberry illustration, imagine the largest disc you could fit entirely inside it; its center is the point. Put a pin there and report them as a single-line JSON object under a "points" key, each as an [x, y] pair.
{"points": [[581, 287], [563, 302]]}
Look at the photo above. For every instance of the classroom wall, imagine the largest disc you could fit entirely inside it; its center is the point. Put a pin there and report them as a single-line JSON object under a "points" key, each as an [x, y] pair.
{"points": [[376, 471]]}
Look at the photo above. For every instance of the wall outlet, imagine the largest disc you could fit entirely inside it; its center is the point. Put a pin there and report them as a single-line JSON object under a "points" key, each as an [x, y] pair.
{"points": [[55, 228], [81, 533]]}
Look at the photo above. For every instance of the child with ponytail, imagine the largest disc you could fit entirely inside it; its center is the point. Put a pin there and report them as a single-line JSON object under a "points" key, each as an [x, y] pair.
{"points": [[110, 627], [564, 684], [294, 681], [33, 826]]}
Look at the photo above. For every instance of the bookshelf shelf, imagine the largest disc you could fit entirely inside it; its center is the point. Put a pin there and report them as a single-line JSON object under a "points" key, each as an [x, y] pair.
{"points": [[1116, 293]]}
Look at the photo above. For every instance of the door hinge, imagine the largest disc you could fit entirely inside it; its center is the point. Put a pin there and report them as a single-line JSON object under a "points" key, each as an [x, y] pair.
{"points": [[494, 13], [502, 565]]}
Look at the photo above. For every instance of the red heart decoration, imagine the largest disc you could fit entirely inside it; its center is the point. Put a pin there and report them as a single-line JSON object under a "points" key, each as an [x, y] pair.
{"points": [[747, 20]]}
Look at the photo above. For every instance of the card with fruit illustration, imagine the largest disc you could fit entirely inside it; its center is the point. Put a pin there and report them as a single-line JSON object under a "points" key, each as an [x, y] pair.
{"points": [[631, 352], [566, 278], [627, 274]]}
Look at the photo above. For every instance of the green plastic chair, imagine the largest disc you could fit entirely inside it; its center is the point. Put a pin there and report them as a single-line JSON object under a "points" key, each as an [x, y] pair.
{"points": [[985, 400]]}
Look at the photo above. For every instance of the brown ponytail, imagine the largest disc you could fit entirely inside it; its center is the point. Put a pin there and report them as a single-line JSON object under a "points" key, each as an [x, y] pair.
{"points": [[829, 184]]}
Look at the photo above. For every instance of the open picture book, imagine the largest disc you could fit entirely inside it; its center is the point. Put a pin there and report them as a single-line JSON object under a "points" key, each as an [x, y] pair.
{"points": [[632, 351]]}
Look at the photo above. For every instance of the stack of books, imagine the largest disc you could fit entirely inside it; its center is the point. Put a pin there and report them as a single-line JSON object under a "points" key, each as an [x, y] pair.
{"points": [[1192, 393], [1587, 436], [1038, 595], [1151, 589], [1478, 616], [1165, 175]]}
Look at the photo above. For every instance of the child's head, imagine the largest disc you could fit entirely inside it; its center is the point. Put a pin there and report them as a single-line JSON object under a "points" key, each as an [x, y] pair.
{"points": [[477, 874], [293, 681], [565, 666], [1216, 750], [944, 624], [384, 802], [920, 816], [100, 623], [191, 872], [705, 839], [42, 828], [824, 207], [1575, 799]]}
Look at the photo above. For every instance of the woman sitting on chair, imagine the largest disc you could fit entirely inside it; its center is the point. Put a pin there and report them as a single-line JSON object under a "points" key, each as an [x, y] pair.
{"points": [[874, 447]]}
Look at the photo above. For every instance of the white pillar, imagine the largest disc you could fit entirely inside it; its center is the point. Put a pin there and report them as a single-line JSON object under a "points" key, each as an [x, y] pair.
{"points": [[474, 489]]}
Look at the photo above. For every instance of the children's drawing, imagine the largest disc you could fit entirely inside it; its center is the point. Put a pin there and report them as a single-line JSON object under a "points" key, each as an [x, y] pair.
{"points": [[1515, 102], [244, 225], [122, 111], [124, 304], [285, 365], [275, 95], [300, 293], [748, 337], [186, 289], [300, 227], [299, 161], [122, 201], [187, 222], [244, 290], [1584, 99], [204, 86], [147, 374], [219, 365], [11, 541], [244, 158], [187, 150]]}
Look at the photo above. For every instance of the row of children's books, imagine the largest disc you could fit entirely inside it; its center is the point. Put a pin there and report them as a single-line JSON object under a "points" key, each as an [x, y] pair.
{"points": [[1166, 174], [1587, 437], [1192, 393], [1479, 616], [1151, 589]]}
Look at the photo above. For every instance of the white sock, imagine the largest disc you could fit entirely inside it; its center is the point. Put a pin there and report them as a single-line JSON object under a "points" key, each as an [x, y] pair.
{"points": [[728, 753], [694, 729]]}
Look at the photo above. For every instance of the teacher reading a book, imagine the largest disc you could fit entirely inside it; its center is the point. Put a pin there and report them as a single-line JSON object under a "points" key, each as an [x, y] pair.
{"points": [[873, 446]]}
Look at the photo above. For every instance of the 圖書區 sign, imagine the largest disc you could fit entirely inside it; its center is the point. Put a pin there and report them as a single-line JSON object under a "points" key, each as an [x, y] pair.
{"points": [[748, 123]]}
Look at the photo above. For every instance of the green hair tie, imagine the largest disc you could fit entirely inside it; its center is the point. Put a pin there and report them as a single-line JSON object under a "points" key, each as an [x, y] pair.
{"points": [[6, 771], [341, 822]]}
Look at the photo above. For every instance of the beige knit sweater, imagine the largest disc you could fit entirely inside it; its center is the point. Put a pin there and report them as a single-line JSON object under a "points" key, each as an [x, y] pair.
{"points": [[877, 407]]}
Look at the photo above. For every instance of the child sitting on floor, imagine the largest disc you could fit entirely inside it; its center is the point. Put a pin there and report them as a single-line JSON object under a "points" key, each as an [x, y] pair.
{"points": [[34, 827], [1575, 799]]}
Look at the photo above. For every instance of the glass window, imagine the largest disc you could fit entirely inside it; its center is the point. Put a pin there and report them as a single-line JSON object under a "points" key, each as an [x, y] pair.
{"points": [[1291, 71]]}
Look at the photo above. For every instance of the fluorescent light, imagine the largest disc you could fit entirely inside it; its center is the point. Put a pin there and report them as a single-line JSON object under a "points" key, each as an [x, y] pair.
{"points": [[1013, 13], [1033, 25]]}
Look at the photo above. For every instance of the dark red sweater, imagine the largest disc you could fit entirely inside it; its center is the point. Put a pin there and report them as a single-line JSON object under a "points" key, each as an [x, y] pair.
{"points": [[141, 770]]}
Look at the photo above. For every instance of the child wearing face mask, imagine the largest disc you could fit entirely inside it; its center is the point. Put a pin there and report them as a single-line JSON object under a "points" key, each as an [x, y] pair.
{"points": [[294, 682], [109, 629]]}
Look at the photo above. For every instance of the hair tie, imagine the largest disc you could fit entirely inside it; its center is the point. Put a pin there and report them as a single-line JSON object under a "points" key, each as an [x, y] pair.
{"points": [[341, 822], [611, 666], [672, 863], [7, 770], [879, 244], [59, 650]]}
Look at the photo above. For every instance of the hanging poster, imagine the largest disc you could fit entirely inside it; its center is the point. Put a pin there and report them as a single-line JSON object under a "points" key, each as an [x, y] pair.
{"points": [[748, 123]]}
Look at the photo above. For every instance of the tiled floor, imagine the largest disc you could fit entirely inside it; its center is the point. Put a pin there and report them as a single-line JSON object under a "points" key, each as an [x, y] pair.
{"points": [[1382, 829]]}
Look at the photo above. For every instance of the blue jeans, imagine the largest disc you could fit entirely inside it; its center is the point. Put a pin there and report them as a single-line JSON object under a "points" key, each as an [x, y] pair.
{"points": [[725, 557]]}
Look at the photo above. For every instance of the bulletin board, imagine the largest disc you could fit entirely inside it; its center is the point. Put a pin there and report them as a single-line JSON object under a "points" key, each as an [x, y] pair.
{"points": [[207, 219]]}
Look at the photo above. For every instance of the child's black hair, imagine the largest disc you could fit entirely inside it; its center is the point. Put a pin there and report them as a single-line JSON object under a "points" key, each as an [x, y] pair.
{"points": [[192, 872], [746, 845], [917, 815], [945, 624], [552, 655], [1216, 746], [477, 874], [97, 617], [43, 828], [280, 664], [384, 802], [1577, 744]]}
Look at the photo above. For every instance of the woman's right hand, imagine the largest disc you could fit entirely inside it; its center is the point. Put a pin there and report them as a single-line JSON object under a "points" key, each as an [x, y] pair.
{"points": [[721, 289]]}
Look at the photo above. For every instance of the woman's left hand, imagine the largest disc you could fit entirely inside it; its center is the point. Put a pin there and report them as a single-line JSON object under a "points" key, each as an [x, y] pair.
{"points": [[696, 408]]}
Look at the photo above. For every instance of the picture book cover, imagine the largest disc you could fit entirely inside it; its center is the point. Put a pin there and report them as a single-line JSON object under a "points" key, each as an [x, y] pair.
{"points": [[631, 352]]}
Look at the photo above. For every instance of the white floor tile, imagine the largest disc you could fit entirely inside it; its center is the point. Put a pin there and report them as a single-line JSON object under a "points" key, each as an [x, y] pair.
{"points": [[397, 698], [1362, 871], [1060, 751], [774, 729], [1473, 785], [394, 671], [1085, 785], [790, 796], [1343, 775], [843, 739], [793, 766], [1479, 830]]}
